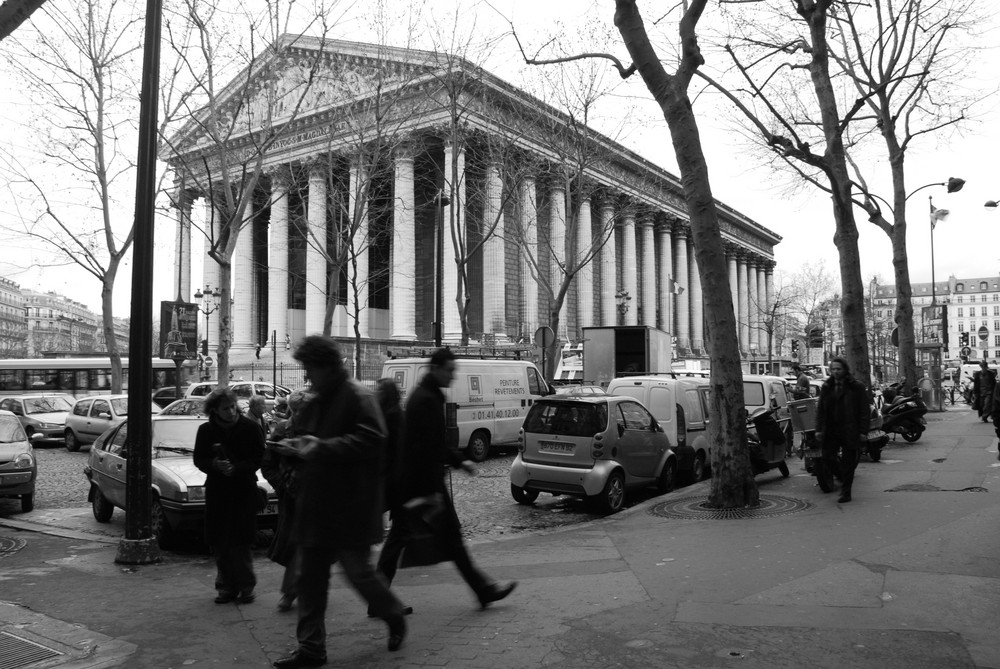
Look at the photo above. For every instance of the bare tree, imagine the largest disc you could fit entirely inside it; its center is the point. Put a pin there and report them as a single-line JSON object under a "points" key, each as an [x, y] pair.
{"points": [[79, 64]]}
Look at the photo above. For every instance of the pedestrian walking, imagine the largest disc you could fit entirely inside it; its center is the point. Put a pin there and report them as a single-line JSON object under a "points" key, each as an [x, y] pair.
{"points": [[338, 515], [425, 458], [800, 390], [229, 449], [278, 467], [984, 381], [256, 408], [842, 419]]}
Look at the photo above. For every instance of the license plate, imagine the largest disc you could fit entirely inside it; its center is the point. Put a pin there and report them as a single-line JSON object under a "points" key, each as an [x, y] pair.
{"points": [[556, 447], [270, 509]]}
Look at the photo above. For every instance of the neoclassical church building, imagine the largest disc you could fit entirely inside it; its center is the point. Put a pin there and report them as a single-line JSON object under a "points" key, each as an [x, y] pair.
{"points": [[352, 158]]}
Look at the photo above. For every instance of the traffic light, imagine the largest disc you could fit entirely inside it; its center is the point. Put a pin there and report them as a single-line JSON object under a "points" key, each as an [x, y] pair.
{"points": [[963, 338], [815, 337], [795, 346], [204, 347]]}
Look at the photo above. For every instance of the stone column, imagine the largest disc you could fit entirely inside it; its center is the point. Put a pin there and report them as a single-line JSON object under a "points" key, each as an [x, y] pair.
{"points": [[243, 283], [557, 241], [529, 249], [183, 201], [753, 308], [585, 277], [277, 261], [402, 281], [609, 266], [666, 295], [316, 274], [681, 276], [762, 310], [494, 265], [357, 264], [647, 272], [630, 268], [697, 317], [454, 227], [734, 289], [741, 283]]}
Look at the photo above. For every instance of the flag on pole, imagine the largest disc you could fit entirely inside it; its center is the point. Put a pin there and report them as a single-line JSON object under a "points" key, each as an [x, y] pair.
{"points": [[937, 215], [675, 288]]}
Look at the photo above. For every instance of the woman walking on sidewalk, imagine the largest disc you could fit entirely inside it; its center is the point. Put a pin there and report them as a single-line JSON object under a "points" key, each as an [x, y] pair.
{"points": [[842, 419]]}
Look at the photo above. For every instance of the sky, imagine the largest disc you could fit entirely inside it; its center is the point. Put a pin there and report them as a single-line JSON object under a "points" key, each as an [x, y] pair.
{"points": [[965, 244]]}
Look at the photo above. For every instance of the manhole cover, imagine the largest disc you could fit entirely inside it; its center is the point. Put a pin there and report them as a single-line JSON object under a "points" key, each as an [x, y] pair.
{"points": [[695, 508], [9, 546], [17, 652]]}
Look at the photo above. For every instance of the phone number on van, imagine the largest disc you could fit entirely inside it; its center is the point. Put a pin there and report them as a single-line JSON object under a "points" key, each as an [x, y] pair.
{"points": [[490, 414]]}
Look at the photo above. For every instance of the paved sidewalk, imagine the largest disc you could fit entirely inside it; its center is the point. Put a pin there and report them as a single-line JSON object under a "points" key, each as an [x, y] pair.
{"points": [[906, 575]]}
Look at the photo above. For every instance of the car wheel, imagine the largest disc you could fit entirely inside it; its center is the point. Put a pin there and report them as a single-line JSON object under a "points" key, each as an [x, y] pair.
{"points": [[668, 477], [103, 509], [698, 469], [72, 443], [612, 498], [27, 502], [522, 496], [479, 446], [783, 468], [162, 532]]}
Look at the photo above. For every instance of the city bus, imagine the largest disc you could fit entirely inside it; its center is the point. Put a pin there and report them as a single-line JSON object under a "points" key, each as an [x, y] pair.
{"points": [[78, 377]]}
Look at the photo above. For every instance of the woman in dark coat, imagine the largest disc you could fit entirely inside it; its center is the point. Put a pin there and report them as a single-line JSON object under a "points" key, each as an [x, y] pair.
{"points": [[229, 449], [842, 418]]}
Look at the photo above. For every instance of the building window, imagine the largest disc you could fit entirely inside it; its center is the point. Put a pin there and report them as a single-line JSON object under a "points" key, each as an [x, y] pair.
{"points": [[960, 313], [982, 311], [959, 300], [959, 287], [983, 285], [996, 340]]}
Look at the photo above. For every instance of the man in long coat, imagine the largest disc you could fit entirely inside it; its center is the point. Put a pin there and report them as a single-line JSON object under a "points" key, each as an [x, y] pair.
{"points": [[338, 514], [842, 420]]}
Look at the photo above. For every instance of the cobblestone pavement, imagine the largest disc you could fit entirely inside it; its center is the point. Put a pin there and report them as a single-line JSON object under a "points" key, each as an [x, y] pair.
{"points": [[484, 502]]}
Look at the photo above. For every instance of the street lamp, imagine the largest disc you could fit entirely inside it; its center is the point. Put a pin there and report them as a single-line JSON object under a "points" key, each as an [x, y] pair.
{"points": [[623, 298], [441, 200], [207, 306]]}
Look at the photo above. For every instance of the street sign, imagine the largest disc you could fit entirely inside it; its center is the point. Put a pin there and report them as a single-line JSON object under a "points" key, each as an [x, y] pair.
{"points": [[208, 362], [984, 334], [966, 350]]}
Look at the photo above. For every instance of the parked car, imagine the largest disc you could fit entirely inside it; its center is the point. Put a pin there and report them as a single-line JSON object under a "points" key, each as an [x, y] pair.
{"points": [[575, 389], [244, 390], [18, 467], [165, 395], [186, 406], [90, 417], [178, 486], [592, 447], [44, 415]]}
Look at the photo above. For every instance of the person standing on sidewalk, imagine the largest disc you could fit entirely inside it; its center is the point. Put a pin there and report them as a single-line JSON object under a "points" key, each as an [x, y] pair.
{"points": [[842, 419], [229, 449], [338, 515], [984, 382], [424, 459], [256, 408]]}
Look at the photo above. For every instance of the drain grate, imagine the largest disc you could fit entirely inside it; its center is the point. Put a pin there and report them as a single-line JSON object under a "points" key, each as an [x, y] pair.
{"points": [[17, 652], [695, 508], [9, 546]]}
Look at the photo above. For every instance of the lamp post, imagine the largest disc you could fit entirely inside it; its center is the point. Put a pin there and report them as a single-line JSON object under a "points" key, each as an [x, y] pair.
{"points": [[441, 200], [623, 298], [208, 306]]}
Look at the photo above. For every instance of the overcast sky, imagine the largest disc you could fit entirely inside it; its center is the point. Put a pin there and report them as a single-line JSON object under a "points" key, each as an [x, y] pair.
{"points": [[967, 244]]}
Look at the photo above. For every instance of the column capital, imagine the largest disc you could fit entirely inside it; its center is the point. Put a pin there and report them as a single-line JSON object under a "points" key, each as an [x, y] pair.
{"points": [[280, 175]]}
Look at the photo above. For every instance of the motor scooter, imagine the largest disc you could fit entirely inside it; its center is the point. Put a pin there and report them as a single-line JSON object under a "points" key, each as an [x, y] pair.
{"points": [[803, 413], [766, 442], [905, 416]]}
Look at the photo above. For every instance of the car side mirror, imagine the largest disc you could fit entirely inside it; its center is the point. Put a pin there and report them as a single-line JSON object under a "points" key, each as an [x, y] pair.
{"points": [[105, 415]]}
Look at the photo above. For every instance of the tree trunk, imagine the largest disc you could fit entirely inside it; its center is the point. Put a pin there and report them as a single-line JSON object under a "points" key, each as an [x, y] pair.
{"points": [[225, 322], [108, 325]]}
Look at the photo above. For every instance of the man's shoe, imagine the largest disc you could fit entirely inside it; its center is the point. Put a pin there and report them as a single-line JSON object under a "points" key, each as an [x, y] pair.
{"points": [[286, 603], [224, 597], [407, 610], [397, 632], [246, 597], [843, 499], [495, 593], [297, 659]]}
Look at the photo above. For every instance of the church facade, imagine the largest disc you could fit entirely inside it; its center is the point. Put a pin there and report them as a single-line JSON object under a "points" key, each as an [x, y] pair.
{"points": [[367, 181]]}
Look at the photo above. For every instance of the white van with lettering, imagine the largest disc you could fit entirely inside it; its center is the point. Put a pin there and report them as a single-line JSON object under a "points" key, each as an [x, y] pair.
{"points": [[485, 404]]}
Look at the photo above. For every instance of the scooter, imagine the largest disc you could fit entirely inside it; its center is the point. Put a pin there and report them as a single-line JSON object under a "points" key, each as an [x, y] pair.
{"points": [[766, 442], [876, 439], [905, 416]]}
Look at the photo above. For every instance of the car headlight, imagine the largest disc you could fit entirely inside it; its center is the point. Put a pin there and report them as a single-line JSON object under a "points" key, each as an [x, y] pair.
{"points": [[48, 426], [24, 460], [196, 493]]}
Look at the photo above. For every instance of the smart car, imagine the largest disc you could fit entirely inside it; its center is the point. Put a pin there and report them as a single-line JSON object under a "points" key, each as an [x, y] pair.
{"points": [[42, 415], [178, 486], [18, 467], [595, 447], [90, 417]]}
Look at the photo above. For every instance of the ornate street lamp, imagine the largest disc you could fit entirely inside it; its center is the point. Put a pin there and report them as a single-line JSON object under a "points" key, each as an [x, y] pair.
{"points": [[208, 306], [441, 200]]}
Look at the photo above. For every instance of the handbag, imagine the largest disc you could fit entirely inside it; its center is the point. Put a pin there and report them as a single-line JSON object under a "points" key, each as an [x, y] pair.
{"points": [[426, 520]]}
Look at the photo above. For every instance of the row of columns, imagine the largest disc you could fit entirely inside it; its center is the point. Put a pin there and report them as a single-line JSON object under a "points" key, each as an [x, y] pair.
{"points": [[655, 265]]}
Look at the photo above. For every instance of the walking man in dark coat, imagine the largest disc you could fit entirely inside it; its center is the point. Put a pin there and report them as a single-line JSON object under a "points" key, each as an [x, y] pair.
{"points": [[338, 515], [426, 454], [842, 422]]}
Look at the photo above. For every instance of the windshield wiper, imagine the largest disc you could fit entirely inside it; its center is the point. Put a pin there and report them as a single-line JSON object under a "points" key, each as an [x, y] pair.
{"points": [[175, 449]]}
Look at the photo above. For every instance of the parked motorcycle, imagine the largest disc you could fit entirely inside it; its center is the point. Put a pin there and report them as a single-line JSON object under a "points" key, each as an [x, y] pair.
{"points": [[766, 442], [905, 416]]}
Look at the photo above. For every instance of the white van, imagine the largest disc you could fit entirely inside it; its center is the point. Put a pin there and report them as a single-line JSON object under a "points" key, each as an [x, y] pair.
{"points": [[675, 403], [485, 404]]}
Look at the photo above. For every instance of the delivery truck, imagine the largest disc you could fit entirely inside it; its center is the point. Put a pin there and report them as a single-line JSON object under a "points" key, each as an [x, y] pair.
{"points": [[623, 350]]}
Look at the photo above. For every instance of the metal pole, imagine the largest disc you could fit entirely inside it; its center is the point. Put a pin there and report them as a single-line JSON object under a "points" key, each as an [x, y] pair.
{"points": [[139, 546], [438, 266], [274, 356]]}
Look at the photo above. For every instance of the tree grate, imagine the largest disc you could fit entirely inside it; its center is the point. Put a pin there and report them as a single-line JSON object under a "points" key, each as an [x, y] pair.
{"points": [[696, 508], [16, 652], [9, 546]]}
